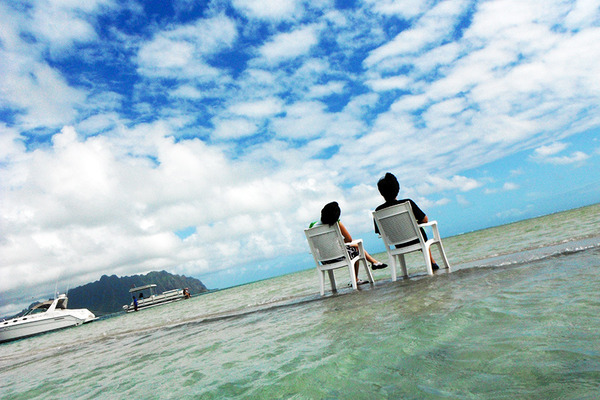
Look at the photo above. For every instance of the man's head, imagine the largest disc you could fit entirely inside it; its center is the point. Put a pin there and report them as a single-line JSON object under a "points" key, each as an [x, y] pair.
{"points": [[388, 187]]}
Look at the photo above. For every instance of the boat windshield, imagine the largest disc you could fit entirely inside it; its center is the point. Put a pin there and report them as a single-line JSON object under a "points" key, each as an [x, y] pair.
{"points": [[34, 311]]}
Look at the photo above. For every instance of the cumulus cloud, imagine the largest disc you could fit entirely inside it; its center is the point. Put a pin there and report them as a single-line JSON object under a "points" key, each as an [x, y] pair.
{"points": [[391, 83], [335, 87], [549, 154], [431, 29], [508, 186], [259, 108], [289, 45], [405, 8], [433, 184], [268, 9], [181, 52], [303, 120], [234, 128]]}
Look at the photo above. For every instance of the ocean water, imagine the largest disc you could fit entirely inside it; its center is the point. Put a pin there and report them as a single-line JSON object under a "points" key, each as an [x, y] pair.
{"points": [[518, 318]]}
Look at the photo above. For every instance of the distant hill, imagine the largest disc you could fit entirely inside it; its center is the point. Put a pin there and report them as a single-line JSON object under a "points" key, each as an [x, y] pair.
{"points": [[110, 293]]}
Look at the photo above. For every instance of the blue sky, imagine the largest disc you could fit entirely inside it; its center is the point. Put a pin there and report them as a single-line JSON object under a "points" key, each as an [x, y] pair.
{"points": [[202, 138]]}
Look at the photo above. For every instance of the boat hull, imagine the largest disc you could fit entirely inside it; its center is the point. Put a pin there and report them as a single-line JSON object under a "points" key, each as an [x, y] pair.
{"points": [[23, 327], [157, 300]]}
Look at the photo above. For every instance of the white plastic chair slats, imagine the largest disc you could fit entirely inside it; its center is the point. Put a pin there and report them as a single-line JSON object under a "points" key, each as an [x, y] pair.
{"points": [[398, 225], [327, 246]]}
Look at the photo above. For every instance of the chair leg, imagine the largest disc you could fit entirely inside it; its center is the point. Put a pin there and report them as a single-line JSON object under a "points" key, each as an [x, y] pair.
{"points": [[332, 280], [322, 281], [369, 273], [403, 265], [392, 260], [352, 276], [444, 258], [428, 265]]}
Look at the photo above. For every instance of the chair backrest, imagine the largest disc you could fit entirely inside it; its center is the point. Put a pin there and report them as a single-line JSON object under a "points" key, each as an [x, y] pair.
{"points": [[397, 224], [326, 242]]}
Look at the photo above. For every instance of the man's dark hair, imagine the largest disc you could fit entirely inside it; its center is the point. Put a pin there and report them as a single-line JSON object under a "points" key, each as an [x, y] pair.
{"points": [[388, 187], [330, 214]]}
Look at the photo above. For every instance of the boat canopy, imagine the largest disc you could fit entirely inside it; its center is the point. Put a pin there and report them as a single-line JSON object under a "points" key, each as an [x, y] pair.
{"points": [[61, 303], [140, 288]]}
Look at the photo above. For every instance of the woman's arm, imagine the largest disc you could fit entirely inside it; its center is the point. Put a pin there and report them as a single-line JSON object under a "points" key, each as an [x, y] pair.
{"points": [[345, 233]]}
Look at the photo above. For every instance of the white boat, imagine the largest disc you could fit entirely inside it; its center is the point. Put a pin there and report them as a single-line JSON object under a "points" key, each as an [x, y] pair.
{"points": [[44, 317], [144, 297]]}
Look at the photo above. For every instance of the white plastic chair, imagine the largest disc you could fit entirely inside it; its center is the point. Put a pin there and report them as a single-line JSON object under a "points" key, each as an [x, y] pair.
{"points": [[327, 243], [398, 227]]}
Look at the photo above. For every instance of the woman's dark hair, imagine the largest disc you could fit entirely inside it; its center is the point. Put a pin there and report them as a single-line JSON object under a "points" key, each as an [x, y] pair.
{"points": [[388, 187], [330, 214]]}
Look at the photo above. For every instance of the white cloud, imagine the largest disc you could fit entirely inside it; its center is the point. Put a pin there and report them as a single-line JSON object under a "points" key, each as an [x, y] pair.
{"points": [[268, 9], [234, 129], [508, 186], [433, 27], [549, 154], [61, 25], [187, 92], [583, 14], [180, 52], [39, 90], [390, 83], [403, 8], [433, 184], [259, 108], [290, 45], [576, 157], [327, 89], [303, 120], [550, 150], [11, 143]]}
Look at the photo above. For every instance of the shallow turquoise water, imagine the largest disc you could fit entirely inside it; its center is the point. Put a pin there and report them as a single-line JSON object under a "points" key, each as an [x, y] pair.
{"points": [[519, 324]]}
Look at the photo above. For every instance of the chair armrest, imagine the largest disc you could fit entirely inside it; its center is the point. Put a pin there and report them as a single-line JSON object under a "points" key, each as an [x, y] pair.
{"points": [[359, 243], [434, 228]]}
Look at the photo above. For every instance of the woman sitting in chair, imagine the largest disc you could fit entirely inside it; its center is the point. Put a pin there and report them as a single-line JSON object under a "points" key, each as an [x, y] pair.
{"points": [[330, 214]]}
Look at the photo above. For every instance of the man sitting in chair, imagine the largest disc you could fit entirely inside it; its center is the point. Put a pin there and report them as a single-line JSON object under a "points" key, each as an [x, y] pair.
{"points": [[389, 188]]}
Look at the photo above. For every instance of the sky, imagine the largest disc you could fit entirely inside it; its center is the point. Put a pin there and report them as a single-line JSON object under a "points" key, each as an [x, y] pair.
{"points": [[201, 138]]}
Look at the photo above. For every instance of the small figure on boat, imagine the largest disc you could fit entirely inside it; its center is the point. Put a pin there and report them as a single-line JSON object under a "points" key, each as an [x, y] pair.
{"points": [[144, 297]]}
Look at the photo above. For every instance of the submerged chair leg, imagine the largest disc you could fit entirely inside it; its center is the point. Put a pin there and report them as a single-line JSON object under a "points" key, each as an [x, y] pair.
{"points": [[332, 280], [403, 265], [392, 260], [369, 273], [322, 281], [353, 277], [443, 253], [427, 259]]}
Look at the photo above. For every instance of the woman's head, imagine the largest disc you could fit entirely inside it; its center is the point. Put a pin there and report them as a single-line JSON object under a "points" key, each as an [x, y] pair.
{"points": [[388, 187], [330, 214]]}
